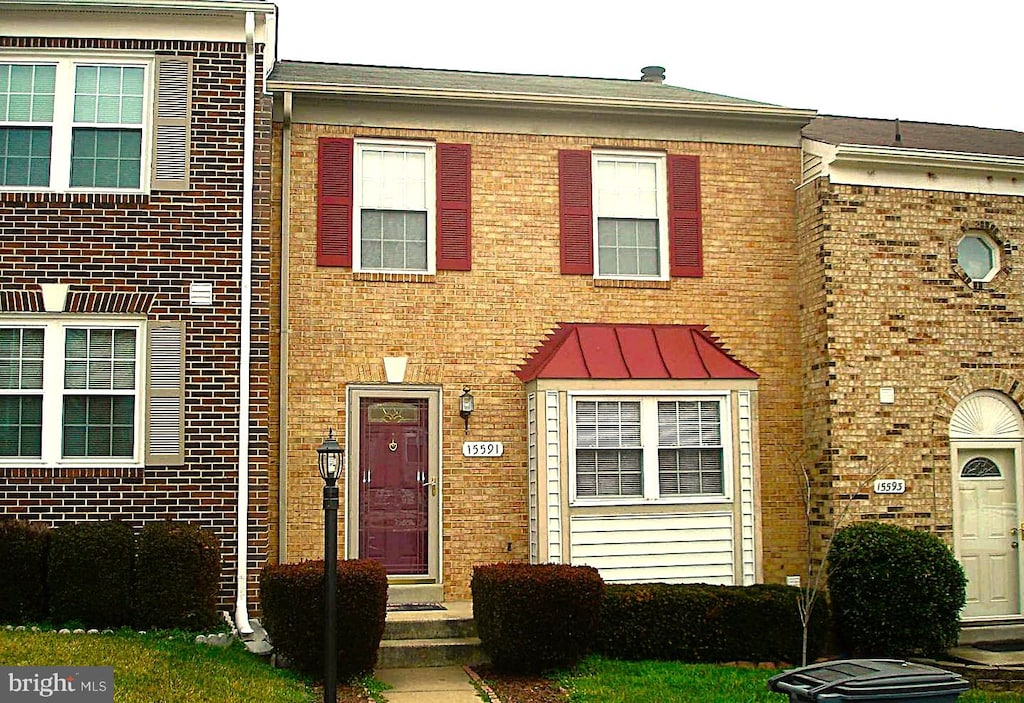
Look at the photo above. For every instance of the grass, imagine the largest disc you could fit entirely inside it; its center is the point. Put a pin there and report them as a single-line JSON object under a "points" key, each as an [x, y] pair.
{"points": [[162, 667], [608, 681]]}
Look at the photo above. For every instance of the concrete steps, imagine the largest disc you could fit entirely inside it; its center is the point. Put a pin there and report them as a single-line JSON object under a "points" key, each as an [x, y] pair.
{"points": [[430, 638]]}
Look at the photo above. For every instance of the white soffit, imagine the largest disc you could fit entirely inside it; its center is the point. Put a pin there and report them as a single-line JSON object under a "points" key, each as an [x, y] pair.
{"points": [[895, 167]]}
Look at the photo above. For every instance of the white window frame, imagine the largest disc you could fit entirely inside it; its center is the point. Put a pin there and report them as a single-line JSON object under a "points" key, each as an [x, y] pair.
{"points": [[428, 149], [997, 254], [63, 115], [649, 442], [53, 388], [659, 160]]}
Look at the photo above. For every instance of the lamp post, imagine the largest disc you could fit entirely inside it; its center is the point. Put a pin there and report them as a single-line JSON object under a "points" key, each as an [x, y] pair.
{"points": [[330, 461]]}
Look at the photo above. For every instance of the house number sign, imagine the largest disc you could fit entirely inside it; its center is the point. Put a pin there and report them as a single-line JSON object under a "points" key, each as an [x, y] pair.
{"points": [[482, 449], [890, 485]]}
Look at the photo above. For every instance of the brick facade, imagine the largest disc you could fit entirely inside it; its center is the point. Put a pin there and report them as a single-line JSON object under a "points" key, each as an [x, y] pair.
{"points": [[474, 328], [887, 305], [146, 249]]}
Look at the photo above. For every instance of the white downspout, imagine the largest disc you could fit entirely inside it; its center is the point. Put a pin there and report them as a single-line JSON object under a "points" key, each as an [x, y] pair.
{"points": [[248, 146], [282, 404]]}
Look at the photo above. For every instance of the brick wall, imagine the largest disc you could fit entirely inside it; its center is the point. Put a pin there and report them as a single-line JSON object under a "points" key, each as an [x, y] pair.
{"points": [[152, 246], [474, 328], [886, 306]]}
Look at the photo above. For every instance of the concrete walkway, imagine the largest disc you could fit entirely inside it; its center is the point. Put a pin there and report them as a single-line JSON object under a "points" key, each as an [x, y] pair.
{"points": [[450, 684]]}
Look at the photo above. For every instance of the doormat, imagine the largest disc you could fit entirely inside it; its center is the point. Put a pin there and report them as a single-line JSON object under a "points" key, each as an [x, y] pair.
{"points": [[402, 607], [1010, 646]]}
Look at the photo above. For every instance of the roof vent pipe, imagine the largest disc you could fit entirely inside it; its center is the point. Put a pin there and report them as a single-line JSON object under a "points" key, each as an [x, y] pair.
{"points": [[652, 74]]}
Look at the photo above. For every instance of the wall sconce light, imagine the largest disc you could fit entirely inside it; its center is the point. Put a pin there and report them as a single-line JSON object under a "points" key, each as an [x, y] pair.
{"points": [[466, 406]]}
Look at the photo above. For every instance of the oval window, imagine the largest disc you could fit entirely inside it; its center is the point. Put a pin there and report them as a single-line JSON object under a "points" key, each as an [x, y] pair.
{"points": [[980, 467]]}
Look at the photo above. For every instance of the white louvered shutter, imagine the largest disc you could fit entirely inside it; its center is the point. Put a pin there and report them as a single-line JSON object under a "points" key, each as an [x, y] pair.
{"points": [[165, 395], [171, 123]]}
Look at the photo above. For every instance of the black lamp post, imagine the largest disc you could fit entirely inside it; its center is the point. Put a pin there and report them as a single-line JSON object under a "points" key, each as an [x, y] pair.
{"points": [[330, 461]]}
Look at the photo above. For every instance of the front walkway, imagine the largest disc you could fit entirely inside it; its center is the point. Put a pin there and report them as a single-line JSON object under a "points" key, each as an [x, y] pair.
{"points": [[450, 684]]}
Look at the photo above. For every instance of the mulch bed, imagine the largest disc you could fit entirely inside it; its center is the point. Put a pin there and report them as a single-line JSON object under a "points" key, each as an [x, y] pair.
{"points": [[521, 689]]}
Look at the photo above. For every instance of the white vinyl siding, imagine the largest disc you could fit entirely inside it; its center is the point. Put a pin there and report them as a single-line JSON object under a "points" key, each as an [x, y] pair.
{"points": [[748, 535], [554, 477], [670, 548]]}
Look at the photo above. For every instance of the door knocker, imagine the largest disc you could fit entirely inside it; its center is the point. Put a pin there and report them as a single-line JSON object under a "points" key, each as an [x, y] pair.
{"points": [[393, 445]]}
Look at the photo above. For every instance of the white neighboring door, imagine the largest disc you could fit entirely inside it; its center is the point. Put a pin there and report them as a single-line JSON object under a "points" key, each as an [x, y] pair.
{"points": [[988, 530]]}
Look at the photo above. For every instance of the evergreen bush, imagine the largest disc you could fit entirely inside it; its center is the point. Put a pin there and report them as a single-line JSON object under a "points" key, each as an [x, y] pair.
{"points": [[90, 573], [895, 592], [24, 548], [177, 570]]}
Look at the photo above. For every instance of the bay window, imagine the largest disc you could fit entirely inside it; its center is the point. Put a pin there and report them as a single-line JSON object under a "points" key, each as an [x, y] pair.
{"points": [[650, 448]]}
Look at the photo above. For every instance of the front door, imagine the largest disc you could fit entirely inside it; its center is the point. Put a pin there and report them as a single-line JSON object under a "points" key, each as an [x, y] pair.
{"points": [[988, 530], [395, 491]]}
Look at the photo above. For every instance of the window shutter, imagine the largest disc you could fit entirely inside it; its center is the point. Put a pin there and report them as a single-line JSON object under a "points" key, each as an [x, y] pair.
{"points": [[334, 202], [165, 395], [172, 119], [454, 174], [576, 213], [684, 226]]}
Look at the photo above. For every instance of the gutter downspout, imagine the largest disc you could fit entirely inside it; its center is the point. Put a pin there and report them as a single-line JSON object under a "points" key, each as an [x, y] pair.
{"points": [[282, 403], [248, 140]]}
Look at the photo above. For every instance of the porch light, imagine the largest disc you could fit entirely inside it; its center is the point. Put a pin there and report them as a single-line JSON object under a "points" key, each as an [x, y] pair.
{"points": [[466, 406], [330, 462]]}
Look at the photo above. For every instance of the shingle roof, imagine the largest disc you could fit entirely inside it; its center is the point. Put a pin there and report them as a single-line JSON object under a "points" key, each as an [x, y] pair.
{"points": [[606, 351], [353, 75], [915, 135]]}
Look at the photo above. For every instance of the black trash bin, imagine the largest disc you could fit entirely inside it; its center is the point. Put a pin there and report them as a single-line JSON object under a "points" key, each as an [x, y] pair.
{"points": [[869, 680]]}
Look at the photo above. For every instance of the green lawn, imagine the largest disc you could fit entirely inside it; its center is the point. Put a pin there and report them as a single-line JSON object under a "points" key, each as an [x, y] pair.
{"points": [[608, 681], [165, 667]]}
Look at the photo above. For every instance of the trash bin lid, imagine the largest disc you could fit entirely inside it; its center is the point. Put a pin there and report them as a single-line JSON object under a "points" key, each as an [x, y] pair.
{"points": [[866, 678]]}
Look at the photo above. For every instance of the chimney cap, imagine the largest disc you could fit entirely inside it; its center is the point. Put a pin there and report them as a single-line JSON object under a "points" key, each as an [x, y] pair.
{"points": [[652, 74]]}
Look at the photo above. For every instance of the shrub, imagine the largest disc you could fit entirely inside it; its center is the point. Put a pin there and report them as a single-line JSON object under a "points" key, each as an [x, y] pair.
{"points": [[704, 623], [536, 617], [177, 569], [293, 614], [23, 553], [90, 573], [894, 591]]}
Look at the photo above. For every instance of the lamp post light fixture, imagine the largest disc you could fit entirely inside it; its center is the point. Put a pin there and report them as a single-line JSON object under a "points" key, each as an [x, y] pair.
{"points": [[466, 406], [330, 462]]}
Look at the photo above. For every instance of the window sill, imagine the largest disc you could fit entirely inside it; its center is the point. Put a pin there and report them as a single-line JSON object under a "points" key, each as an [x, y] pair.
{"points": [[381, 277], [630, 283], [50, 472], [45, 196], [634, 502]]}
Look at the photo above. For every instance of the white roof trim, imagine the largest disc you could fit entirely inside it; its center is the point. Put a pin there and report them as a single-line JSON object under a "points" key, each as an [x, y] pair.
{"points": [[861, 154], [146, 6]]}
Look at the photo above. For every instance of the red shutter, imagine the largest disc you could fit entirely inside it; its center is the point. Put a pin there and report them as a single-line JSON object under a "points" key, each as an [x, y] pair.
{"points": [[576, 211], [334, 202], [684, 226], [453, 207]]}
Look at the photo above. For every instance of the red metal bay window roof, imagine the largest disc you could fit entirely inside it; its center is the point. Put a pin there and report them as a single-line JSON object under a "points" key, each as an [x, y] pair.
{"points": [[611, 352]]}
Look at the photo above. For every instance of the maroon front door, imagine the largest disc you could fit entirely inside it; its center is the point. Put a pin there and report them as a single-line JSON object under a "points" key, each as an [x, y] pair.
{"points": [[394, 483]]}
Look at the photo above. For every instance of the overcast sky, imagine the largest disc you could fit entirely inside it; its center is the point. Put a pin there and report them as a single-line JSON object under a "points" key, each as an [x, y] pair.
{"points": [[944, 61]]}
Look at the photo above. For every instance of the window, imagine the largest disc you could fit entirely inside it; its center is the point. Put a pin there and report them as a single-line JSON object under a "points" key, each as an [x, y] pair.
{"points": [[394, 193], [978, 256], [390, 206], [650, 448], [77, 123], [79, 382], [629, 209], [630, 215]]}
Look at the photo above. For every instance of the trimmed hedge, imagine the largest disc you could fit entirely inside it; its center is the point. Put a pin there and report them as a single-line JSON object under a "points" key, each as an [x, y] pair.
{"points": [[895, 591], [177, 570], [24, 548], [293, 614], [90, 573], [704, 623], [536, 617]]}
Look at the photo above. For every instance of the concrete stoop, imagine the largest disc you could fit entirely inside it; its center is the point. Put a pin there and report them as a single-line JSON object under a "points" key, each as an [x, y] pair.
{"points": [[430, 638]]}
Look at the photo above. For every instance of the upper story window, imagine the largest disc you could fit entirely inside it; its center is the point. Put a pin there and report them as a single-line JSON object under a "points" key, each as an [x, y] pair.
{"points": [[649, 448], [629, 209], [392, 206], [73, 123], [630, 215], [394, 193], [978, 256]]}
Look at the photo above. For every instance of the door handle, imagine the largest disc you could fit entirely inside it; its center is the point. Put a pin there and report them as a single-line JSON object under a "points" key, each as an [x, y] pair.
{"points": [[432, 483], [1013, 544], [1013, 530]]}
